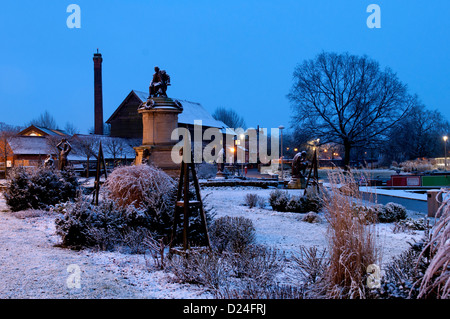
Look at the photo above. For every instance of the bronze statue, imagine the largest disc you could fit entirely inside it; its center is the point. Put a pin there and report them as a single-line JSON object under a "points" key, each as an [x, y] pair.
{"points": [[159, 83], [299, 165], [64, 149]]}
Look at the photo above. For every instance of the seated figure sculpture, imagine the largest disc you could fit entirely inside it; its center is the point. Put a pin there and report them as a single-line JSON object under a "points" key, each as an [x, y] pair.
{"points": [[159, 83], [299, 166]]}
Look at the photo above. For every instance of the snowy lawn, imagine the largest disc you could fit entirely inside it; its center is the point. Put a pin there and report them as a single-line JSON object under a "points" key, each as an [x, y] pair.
{"points": [[32, 266]]}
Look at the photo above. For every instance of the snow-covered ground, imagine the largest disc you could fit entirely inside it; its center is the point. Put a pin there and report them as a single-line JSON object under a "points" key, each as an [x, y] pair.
{"points": [[31, 266]]}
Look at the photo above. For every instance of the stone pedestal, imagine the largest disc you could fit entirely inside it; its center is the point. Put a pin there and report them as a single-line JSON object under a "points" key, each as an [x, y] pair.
{"points": [[159, 119], [297, 183]]}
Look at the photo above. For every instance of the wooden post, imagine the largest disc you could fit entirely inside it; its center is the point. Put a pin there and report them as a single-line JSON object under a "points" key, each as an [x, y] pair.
{"points": [[183, 201]]}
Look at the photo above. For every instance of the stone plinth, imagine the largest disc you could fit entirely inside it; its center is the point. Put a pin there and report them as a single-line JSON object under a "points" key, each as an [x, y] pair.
{"points": [[159, 119], [297, 183]]}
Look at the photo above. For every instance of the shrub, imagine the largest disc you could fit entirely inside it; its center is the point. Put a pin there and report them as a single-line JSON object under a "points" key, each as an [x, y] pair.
{"points": [[279, 200], [312, 263], [232, 233], [311, 217], [256, 264], [253, 200], [391, 212], [84, 224], [283, 202], [140, 185], [352, 243], [436, 279], [39, 188]]}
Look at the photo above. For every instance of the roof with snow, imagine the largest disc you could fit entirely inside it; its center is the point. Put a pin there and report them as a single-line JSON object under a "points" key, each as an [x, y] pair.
{"points": [[34, 130], [29, 145], [192, 111], [40, 145]]}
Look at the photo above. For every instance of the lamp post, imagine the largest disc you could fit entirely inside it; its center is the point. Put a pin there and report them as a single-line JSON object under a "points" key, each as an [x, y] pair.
{"points": [[445, 138], [242, 143], [281, 127]]}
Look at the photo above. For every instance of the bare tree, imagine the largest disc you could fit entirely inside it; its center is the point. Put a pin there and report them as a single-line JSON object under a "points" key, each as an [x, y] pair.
{"points": [[70, 129], [114, 146], [45, 120], [229, 117], [6, 133], [347, 99], [88, 146], [418, 134]]}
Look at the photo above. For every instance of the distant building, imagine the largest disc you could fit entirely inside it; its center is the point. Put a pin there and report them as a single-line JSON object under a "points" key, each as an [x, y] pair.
{"points": [[31, 146], [127, 122]]}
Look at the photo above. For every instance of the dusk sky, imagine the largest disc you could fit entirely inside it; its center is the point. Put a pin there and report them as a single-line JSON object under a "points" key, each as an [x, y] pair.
{"points": [[234, 54]]}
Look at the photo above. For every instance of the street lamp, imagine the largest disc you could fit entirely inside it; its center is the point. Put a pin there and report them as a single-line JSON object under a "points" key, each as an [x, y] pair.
{"points": [[281, 127], [445, 138]]}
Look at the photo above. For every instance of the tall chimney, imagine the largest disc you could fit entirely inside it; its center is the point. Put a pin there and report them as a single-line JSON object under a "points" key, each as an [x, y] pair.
{"points": [[98, 94]]}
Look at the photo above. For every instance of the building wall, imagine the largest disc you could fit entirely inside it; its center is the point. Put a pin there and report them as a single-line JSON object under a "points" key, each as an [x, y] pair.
{"points": [[128, 122]]}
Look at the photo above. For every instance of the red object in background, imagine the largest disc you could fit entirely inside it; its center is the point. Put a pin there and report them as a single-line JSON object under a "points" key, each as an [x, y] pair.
{"points": [[405, 180], [245, 170]]}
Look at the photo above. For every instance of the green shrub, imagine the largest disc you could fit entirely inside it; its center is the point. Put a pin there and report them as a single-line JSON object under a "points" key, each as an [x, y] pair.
{"points": [[39, 188]]}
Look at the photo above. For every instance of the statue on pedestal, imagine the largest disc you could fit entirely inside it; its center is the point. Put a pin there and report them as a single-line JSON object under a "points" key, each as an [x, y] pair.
{"points": [[159, 83], [64, 149], [299, 166]]}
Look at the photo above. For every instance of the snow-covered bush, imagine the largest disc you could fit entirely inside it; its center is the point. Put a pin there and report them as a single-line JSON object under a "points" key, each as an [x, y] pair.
{"points": [[140, 185], [137, 200], [255, 265], [39, 188], [311, 218], [84, 224], [233, 234], [391, 212], [281, 201], [253, 200], [410, 225]]}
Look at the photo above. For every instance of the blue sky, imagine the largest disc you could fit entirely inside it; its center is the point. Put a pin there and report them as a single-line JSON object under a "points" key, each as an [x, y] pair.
{"points": [[236, 54]]}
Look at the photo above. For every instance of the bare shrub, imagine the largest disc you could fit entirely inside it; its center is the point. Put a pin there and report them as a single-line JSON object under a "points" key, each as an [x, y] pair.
{"points": [[232, 233], [258, 263], [207, 269], [352, 245], [156, 249], [140, 184], [253, 200], [436, 280], [254, 291], [312, 263]]}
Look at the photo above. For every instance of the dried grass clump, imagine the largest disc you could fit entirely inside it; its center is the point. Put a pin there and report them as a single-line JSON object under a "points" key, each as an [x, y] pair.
{"points": [[140, 184], [352, 245], [436, 280]]}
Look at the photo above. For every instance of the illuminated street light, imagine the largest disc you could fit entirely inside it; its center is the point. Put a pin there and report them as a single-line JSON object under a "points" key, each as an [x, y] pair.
{"points": [[445, 138], [281, 127]]}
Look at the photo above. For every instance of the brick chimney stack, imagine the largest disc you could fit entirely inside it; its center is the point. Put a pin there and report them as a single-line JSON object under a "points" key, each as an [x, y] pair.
{"points": [[98, 94]]}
